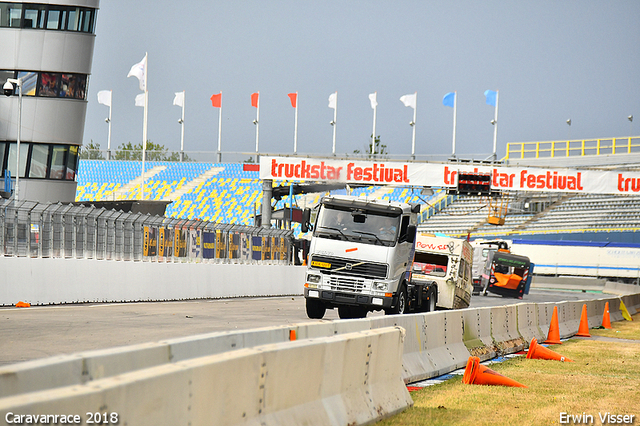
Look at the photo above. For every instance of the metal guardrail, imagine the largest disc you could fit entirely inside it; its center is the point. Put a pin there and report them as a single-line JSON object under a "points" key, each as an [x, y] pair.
{"points": [[573, 148], [32, 229]]}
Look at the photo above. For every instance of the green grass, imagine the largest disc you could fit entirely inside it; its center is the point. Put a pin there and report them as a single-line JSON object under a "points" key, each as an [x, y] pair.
{"points": [[605, 377]]}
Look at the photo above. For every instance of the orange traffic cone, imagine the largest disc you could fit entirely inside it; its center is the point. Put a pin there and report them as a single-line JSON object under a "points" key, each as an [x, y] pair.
{"points": [[537, 351], [553, 338], [606, 321], [478, 374], [583, 330]]}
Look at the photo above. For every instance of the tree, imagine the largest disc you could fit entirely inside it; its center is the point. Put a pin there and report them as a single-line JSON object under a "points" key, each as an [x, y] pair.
{"points": [[91, 152], [381, 150], [154, 152]]}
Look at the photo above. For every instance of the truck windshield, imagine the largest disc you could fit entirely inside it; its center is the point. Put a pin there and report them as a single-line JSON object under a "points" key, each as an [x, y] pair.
{"points": [[361, 226]]}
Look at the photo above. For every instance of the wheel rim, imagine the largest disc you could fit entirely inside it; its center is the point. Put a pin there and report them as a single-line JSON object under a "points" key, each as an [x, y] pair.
{"points": [[401, 303]]}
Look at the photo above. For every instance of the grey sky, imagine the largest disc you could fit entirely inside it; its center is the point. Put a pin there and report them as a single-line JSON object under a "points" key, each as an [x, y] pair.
{"points": [[550, 60]]}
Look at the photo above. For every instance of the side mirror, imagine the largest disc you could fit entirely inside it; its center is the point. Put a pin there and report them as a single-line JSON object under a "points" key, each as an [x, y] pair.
{"points": [[306, 217], [411, 233]]}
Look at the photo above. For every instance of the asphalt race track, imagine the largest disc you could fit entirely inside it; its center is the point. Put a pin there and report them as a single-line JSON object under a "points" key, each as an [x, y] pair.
{"points": [[38, 332]]}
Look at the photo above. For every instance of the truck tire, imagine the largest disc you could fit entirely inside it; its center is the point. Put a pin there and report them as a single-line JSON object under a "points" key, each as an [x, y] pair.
{"points": [[401, 303], [315, 309], [431, 300], [348, 312]]}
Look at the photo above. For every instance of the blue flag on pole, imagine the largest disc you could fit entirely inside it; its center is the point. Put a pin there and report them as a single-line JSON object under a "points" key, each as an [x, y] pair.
{"points": [[449, 99], [491, 97]]}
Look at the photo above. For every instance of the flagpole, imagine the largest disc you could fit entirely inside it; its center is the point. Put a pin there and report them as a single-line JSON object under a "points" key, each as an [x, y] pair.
{"points": [[144, 125], [257, 124], [373, 137], [109, 136], [334, 124], [182, 128], [455, 101], [495, 128], [413, 124], [220, 130], [295, 128]]}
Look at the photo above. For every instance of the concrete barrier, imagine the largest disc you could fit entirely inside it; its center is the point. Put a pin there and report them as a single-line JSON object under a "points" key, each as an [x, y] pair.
{"points": [[504, 329], [54, 281], [436, 343], [630, 304], [347, 379], [477, 333], [620, 288], [614, 309], [528, 323]]}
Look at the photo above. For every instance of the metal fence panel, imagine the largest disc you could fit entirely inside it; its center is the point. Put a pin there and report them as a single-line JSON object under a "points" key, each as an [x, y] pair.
{"points": [[72, 231]]}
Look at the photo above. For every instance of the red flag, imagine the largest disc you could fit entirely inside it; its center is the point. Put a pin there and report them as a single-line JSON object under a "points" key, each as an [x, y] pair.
{"points": [[254, 99], [216, 100], [294, 99]]}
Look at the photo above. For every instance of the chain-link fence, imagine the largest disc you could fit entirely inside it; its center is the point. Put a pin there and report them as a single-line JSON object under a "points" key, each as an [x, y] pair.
{"points": [[32, 229]]}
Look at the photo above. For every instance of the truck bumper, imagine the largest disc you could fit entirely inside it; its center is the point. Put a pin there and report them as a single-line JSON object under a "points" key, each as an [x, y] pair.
{"points": [[334, 298]]}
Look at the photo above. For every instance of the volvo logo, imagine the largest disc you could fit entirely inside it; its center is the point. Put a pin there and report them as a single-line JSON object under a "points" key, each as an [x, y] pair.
{"points": [[348, 266]]}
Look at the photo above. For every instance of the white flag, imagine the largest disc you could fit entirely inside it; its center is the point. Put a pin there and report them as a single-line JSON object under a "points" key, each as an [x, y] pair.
{"points": [[333, 100], [179, 99], [372, 98], [139, 71], [409, 100], [104, 97], [140, 100]]}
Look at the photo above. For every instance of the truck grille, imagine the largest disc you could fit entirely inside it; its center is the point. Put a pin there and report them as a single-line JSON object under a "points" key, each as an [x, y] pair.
{"points": [[345, 284], [336, 265]]}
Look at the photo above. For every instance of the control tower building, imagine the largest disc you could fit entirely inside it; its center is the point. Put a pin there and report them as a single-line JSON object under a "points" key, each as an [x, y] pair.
{"points": [[46, 51]]}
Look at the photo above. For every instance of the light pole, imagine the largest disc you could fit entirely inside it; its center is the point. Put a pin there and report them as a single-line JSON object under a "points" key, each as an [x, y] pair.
{"points": [[8, 91]]}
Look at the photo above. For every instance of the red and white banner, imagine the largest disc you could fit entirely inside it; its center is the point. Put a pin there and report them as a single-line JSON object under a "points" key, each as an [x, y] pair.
{"points": [[439, 175]]}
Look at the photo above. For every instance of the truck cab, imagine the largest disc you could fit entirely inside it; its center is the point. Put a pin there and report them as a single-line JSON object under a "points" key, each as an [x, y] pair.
{"points": [[360, 256]]}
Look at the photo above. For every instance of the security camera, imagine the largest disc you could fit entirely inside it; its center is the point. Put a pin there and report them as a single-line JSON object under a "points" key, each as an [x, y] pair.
{"points": [[7, 89]]}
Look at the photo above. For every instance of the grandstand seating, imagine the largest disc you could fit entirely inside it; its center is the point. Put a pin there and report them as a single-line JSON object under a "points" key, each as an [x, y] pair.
{"points": [[584, 213], [217, 192], [226, 193]]}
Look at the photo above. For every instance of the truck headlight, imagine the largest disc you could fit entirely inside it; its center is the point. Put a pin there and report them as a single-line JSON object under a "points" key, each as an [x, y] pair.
{"points": [[380, 286], [314, 278]]}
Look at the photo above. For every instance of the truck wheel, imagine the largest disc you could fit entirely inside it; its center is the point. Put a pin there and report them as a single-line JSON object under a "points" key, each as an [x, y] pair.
{"points": [[401, 303], [315, 309], [344, 312], [431, 302], [347, 312]]}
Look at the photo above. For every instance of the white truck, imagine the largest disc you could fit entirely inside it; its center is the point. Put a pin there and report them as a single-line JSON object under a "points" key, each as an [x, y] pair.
{"points": [[442, 266], [360, 257], [365, 256]]}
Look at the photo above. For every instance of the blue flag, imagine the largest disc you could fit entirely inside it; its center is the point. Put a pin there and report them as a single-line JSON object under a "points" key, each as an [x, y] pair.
{"points": [[449, 99], [491, 97]]}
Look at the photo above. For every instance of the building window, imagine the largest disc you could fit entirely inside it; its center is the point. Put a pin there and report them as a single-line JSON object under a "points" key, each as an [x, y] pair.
{"points": [[29, 82], [49, 84], [10, 14], [11, 158], [58, 162], [39, 166], [40, 160], [34, 16], [44, 16]]}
